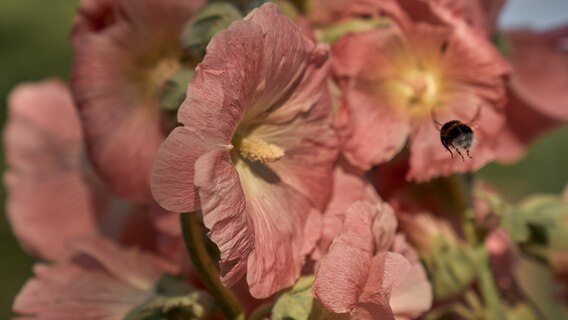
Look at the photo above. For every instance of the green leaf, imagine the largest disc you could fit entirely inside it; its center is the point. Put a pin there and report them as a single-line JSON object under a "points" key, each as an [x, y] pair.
{"points": [[173, 299], [540, 220], [538, 284], [298, 303]]}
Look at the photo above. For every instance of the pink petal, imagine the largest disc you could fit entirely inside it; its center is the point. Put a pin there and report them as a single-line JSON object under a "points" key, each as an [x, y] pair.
{"points": [[117, 77], [137, 269], [82, 289], [173, 171], [310, 151], [539, 78], [280, 215], [414, 295], [225, 212], [524, 124], [384, 227], [387, 271], [342, 273], [286, 56], [349, 186], [38, 209], [375, 132], [48, 183]]}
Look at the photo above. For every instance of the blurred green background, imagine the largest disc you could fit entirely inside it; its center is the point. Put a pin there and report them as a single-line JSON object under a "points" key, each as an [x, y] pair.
{"points": [[34, 44]]}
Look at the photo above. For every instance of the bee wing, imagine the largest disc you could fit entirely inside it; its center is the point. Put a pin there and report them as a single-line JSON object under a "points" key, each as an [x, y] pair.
{"points": [[474, 123]]}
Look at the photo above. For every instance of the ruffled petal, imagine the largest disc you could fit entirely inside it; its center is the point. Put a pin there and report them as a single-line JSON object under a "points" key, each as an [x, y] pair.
{"points": [[173, 172], [225, 212], [279, 215], [387, 271], [342, 273]]}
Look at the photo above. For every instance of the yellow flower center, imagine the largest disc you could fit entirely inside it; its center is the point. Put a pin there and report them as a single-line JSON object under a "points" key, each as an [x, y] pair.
{"points": [[415, 90], [256, 149]]}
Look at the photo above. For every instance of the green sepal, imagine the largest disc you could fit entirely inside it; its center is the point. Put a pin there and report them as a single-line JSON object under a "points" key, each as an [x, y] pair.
{"points": [[173, 299], [212, 18], [298, 303], [175, 88], [452, 267]]}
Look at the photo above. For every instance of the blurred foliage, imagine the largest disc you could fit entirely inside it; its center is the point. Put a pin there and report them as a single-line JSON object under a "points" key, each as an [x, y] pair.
{"points": [[34, 44]]}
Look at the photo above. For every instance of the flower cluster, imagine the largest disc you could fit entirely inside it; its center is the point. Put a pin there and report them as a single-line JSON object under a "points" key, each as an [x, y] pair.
{"points": [[285, 160]]}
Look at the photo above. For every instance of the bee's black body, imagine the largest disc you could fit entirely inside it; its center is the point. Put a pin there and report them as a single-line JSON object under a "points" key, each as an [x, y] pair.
{"points": [[457, 135]]}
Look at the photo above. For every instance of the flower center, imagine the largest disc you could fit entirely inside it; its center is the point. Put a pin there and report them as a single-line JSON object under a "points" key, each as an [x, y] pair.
{"points": [[420, 89], [415, 91], [256, 149]]}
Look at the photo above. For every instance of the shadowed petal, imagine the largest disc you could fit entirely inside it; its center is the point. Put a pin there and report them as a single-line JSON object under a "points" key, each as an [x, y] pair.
{"points": [[225, 212], [280, 215]]}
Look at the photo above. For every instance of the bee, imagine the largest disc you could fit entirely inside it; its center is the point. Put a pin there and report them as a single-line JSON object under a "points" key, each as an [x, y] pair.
{"points": [[457, 135]]}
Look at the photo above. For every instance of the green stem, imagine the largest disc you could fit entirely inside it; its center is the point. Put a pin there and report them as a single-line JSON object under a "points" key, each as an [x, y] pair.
{"points": [[207, 268], [262, 311], [488, 289], [459, 187]]}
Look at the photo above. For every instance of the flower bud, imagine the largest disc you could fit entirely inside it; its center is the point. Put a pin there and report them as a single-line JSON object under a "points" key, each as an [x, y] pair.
{"points": [[450, 262]]}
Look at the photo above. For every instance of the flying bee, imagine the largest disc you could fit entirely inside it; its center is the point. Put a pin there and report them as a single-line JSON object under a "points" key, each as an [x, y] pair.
{"points": [[457, 135]]}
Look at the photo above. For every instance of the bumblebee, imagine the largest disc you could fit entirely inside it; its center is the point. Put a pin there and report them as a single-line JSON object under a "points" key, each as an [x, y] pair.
{"points": [[457, 135]]}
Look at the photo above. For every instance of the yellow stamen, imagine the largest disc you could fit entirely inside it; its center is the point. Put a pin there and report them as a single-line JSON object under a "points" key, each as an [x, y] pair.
{"points": [[255, 149]]}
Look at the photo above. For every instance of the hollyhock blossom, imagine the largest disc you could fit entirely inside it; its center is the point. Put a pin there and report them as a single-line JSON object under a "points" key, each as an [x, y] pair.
{"points": [[256, 150], [360, 275], [47, 183], [124, 52], [538, 96], [426, 65], [50, 183], [101, 281]]}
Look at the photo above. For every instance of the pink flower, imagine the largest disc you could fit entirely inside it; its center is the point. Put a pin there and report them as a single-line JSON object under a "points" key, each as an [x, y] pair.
{"points": [[102, 281], [48, 187], [360, 274], [53, 194], [349, 186], [256, 150], [395, 79], [125, 50], [538, 88]]}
